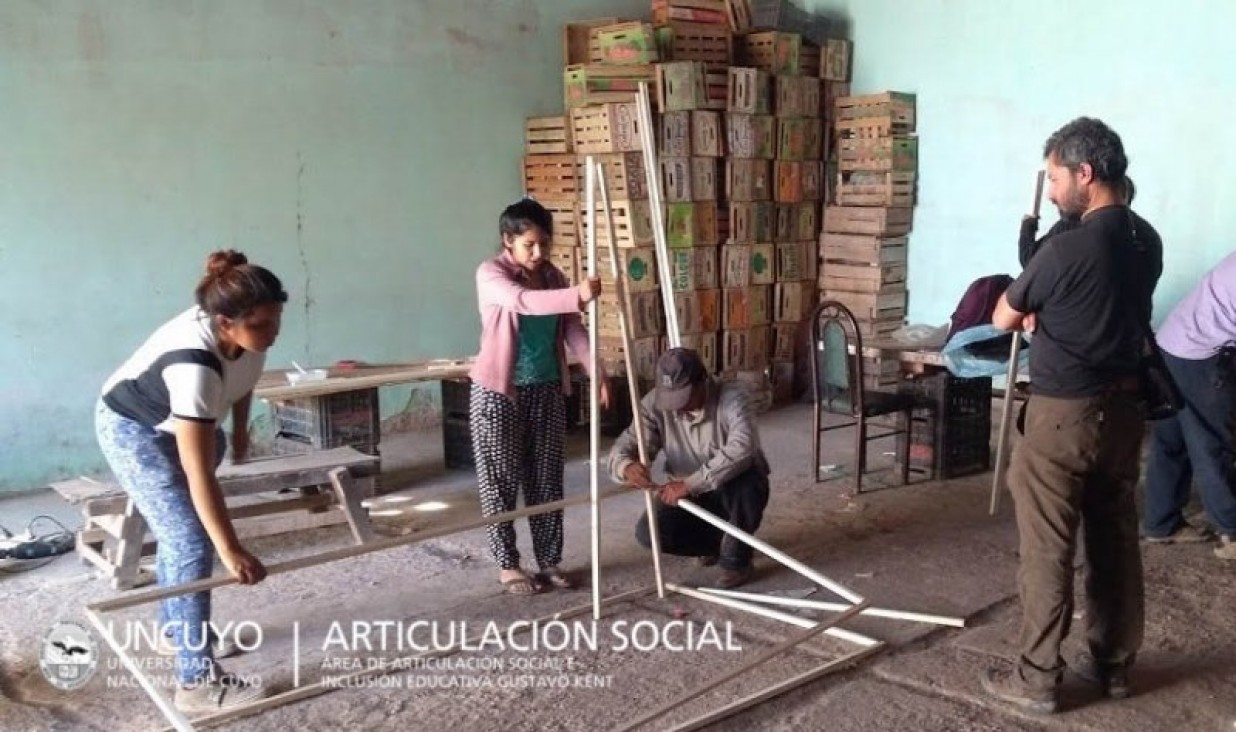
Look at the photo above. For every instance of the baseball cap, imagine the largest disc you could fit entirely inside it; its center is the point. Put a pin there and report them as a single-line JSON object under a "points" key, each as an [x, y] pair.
{"points": [[678, 371]]}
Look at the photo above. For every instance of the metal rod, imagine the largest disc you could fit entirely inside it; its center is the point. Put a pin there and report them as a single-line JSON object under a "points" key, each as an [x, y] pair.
{"points": [[594, 393], [652, 172], [771, 551], [874, 612], [169, 710], [767, 612], [620, 286], [1006, 420]]}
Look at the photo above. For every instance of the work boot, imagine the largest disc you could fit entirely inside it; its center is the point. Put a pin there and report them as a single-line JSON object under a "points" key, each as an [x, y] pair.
{"points": [[1226, 548], [731, 578], [1184, 534], [1005, 686], [1113, 680]]}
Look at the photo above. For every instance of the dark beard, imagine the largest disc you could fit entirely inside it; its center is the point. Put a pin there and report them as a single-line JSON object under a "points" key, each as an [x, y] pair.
{"points": [[1076, 204]]}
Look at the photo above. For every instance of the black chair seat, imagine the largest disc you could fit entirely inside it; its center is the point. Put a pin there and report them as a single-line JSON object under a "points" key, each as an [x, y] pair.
{"points": [[875, 403]]}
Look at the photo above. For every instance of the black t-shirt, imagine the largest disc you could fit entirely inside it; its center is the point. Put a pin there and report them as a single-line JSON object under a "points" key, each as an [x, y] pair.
{"points": [[1090, 289]]}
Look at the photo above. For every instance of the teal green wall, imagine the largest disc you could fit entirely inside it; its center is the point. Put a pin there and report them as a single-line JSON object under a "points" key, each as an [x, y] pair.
{"points": [[995, 78], [361, 150]]}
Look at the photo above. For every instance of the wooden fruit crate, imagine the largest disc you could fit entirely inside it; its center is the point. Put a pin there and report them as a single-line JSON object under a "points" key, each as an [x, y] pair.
{"points": [[862, 249], [862, 277], [736, 265], [710, 309], [551, 177], [897, 153], [783, 224], [632, 223], [835, 59], [865, 188], [676, 180], [796, 96], [691, 224], [565, 214], [875, 115], [624, 175], [716, 86], [750, 135], [547, 135], [644, 316], [751, 221], [809, 60], [682, 269], [763, 263], [675, 138], [759, 299], [623, 43], [748, 91], [794, 301], [759, 347], [774, 51], [748, 179], [706, 179], [872, 221], [644, 355], [566, 259], [884, 307], [681, 85], [704, 344], [788, 181], [812, 180], [686, 305], [799, 139], [707, 135], [708, 43], [606, 128], [588, 84], [784, 340], [737, 348], [794, 261], [706, 267], [577, 40], [711, 12], [806, 222], [638, 266]]}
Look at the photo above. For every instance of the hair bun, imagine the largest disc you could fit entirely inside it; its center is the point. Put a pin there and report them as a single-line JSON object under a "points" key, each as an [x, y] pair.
{"points": [[220, 262]]}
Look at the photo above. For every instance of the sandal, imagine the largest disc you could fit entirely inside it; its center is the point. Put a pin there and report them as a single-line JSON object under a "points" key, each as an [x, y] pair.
{"points": [[524, 585], [556, 578]]}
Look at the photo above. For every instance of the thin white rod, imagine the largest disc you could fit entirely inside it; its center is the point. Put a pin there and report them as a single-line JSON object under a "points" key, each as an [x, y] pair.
{"points": [[767, 612], [762, 658], [1006, 423], [772, 692], [169, 710], [143, 597], [594, 394], [874, 612], [770, 550], [318, 688], [652, 172], [620, 286]]}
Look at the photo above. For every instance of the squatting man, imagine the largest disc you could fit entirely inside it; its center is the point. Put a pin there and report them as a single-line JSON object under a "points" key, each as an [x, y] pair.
{"points": [[708, 433]]}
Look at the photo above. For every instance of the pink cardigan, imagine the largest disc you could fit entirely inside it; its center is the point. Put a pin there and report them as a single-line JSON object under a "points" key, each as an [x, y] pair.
{"points": [[503, 298]]}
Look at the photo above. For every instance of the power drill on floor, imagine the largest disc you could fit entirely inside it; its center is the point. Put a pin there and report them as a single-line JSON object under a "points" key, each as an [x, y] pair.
{"points": [[40, 547]]}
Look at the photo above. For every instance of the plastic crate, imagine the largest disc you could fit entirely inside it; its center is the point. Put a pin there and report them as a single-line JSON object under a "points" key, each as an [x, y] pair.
{"points": [[950, 431], [334, 420]]}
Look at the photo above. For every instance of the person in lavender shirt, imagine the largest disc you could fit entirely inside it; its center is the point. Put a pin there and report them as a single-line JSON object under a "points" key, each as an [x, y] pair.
{"points": [[1198, 340]]}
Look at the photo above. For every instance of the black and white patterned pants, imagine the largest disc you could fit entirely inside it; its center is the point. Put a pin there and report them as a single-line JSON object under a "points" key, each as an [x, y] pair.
{"points": [[517, 445]]}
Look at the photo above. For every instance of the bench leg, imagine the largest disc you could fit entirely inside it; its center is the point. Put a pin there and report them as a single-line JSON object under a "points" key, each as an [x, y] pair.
{"points": [[347, 493]]}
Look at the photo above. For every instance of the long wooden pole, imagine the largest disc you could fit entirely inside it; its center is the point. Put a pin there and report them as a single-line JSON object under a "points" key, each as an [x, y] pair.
{"points": [[771, 551], [652, 172], [594, 393], [765, 656], [873, 612], [620, 286], [1006, 409]]}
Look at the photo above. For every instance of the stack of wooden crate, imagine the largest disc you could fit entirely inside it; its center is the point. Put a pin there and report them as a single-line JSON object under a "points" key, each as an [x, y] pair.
{"points": [[863, 247]]}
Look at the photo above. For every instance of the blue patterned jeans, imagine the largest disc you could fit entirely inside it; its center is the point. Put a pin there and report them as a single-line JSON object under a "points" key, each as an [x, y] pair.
{"points": [[147, 464]]}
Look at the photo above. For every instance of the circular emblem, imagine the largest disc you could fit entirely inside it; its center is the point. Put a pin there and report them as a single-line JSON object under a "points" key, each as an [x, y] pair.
{"points": [[637, 269], [68, 655]]}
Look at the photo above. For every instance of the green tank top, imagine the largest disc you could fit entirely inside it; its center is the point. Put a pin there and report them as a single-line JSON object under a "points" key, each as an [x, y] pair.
{"points": [[537, 362]]}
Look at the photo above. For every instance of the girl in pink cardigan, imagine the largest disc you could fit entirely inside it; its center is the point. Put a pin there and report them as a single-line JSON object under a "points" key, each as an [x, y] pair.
{"points": [[529, 316]]}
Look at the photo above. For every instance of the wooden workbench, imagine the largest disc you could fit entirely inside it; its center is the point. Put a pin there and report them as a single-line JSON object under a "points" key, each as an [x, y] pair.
{"points": [[274, 384]]}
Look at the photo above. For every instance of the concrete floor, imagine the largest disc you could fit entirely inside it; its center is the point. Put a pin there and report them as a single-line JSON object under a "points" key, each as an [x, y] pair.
{"points": [[929, 547]]}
